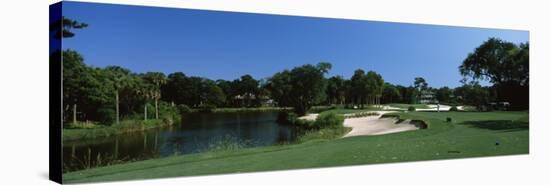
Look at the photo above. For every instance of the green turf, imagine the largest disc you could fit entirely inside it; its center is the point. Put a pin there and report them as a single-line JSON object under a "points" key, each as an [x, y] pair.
{"points": [[470, 134]]}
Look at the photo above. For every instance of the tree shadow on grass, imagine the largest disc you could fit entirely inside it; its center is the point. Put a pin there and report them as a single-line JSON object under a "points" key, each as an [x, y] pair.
{"points": [[501, 125]]}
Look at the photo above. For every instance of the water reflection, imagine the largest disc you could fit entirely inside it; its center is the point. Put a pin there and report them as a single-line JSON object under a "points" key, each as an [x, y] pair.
{"points": [[196, 133]]}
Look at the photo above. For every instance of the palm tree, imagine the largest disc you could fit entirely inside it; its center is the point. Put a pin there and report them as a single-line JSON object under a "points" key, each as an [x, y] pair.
{"points": [[118, 85], [145, 92], [121, 79], [62, 27], [157, 79]]}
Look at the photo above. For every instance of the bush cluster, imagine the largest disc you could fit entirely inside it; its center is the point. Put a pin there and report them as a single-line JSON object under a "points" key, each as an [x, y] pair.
{"points": [[329, 120], [394, 116], [411, 108], [286, 117], [324, 120], [362, 114], [169, 114], [419, 123]]}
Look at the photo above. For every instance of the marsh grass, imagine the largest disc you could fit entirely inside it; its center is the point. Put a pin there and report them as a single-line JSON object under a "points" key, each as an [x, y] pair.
{"points": [[97, 131], [228, 143], [324, 134]]}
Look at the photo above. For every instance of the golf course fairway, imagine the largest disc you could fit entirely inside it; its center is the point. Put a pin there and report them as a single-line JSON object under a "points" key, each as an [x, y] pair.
{"points": [[468, 134]]}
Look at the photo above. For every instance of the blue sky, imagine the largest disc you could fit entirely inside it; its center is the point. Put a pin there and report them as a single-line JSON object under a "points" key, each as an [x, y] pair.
{"points": [[227, 45]]}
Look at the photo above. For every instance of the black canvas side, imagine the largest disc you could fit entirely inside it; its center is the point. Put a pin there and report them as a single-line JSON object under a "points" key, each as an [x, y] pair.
{"points": [[55, 113]]}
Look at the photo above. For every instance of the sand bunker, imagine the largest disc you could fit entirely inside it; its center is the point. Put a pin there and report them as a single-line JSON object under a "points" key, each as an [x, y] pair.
{"points": [[371, 125]]}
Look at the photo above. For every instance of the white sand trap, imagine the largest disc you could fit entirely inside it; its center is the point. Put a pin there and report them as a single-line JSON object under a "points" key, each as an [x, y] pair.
{"points": [[309, 117], [371, 125]]}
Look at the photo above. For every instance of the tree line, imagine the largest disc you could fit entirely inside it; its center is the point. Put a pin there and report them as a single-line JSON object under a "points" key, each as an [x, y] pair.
{"points": [[112, 93]]}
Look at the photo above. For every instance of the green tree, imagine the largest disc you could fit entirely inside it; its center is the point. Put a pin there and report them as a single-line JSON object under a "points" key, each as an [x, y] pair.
{"points": [[75, 72], [504, 64], [248, 88], [359, 90], [300, 88], [336, 90], [144, 90], [443, 94], [178, 89], [121, 78], [210, 93], [230, 91], [63, 28], [156, 79], [77, 82], [375, 87], [420, 85], [475, 94], [391, 93]]}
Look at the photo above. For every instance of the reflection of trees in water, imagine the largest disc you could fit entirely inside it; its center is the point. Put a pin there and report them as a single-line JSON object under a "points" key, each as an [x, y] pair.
{"points": [[78, 158], [237, 132]]}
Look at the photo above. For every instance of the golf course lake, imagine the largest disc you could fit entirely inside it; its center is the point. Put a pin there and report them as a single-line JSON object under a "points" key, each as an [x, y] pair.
{"points": [[198, 132]]}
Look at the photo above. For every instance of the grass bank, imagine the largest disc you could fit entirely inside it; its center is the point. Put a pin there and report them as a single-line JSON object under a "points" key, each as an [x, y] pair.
{"points": [[92, 131], [469, 134]]}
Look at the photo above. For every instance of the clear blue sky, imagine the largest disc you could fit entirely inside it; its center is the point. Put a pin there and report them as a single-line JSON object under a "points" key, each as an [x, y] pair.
{"points": [[226, 45]]}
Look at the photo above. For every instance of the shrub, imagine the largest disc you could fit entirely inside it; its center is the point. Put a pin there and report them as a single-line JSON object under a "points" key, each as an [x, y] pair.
{"points": [[322, 134], [449, 119], [411, 108], [329, 120], [106, 115], [390, 115], [169, 114], [307, 124], [394, 116], [362, 114], [453, 108], [287, 118], [182, 108], [419, 123]]}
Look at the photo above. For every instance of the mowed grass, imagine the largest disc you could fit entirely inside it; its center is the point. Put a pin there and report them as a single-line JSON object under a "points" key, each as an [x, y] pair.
{"points": [[470, 134]]}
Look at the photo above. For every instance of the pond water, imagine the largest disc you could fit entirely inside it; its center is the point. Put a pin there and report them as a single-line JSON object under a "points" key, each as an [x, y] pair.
{"points": [[197, 133]]}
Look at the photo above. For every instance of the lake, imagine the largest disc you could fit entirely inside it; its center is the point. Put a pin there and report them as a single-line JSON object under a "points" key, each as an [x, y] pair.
{"points": [[197, 133]]}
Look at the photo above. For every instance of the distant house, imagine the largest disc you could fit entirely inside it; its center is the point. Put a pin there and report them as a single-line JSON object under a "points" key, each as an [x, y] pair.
{"points": [[428, 97]]}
